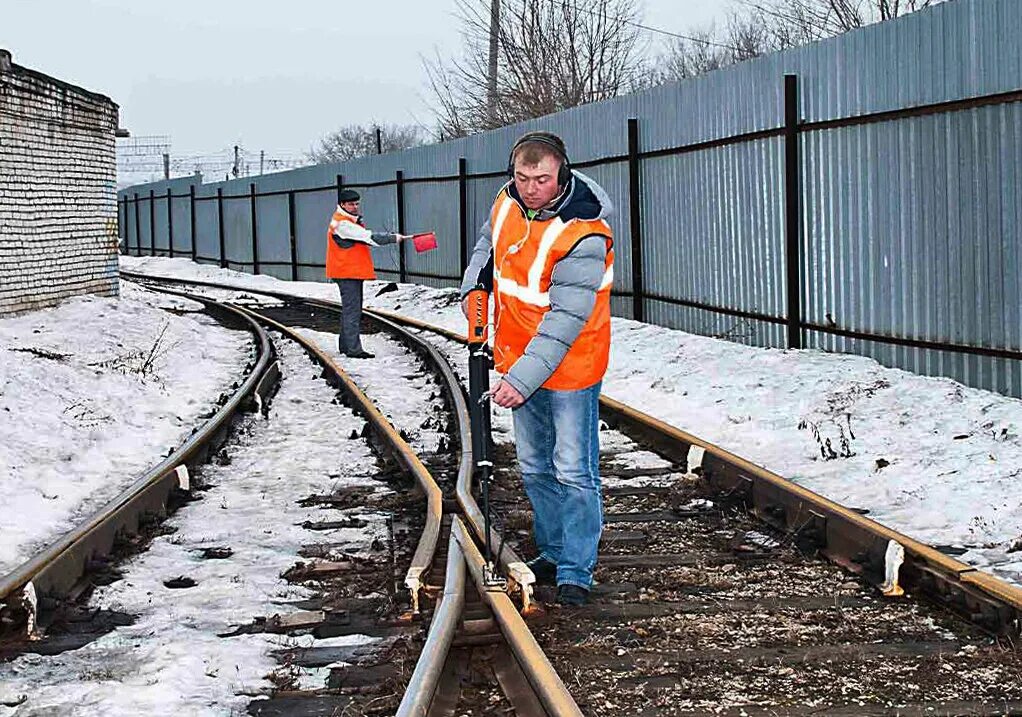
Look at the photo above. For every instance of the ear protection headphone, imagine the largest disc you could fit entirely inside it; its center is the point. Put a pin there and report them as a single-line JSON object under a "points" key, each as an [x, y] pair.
{"points": [[551, 140]]}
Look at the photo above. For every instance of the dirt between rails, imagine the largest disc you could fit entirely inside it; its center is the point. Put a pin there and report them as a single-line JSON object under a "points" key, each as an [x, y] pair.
{"points": [[360, 591]]}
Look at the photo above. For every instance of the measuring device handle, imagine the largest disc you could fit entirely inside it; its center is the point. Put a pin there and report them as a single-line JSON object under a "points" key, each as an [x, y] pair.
{"points": [[478, 315]]}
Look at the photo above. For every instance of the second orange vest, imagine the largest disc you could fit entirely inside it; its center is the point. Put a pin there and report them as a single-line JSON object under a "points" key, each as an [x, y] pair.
{"points": [[353, 263]]}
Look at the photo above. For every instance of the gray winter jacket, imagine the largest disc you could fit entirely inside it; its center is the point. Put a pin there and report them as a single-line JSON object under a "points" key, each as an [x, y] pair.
{"points": [[574, 282]]}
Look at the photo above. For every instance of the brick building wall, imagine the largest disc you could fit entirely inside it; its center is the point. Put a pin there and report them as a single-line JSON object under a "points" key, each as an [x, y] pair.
{"points": [[58, 206]]}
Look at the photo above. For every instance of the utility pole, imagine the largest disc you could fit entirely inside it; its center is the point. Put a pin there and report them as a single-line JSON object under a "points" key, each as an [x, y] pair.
{"points": [[166, 165], [262, 158], [236, 169], [379, 140], [491, 80]]}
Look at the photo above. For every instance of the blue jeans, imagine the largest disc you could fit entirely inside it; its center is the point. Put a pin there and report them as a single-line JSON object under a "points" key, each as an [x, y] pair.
{"points": [[558, 443]]}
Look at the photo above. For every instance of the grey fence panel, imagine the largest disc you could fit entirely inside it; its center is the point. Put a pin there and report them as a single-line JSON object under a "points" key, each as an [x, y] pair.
{"points": [[712, 232], [433, 206], [379, 207], [481, 193], [181, 212], [142, 222], [207, 226], [274, 233], [614, 179], [313, 211], [158, 206], [238, 230]]}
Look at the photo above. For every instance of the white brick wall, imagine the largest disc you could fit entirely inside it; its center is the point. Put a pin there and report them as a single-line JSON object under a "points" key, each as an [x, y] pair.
{"points": [[58, 206]]}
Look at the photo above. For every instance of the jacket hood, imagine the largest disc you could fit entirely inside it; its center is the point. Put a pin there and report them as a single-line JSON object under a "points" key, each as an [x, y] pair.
{"points": [[584, 199]]}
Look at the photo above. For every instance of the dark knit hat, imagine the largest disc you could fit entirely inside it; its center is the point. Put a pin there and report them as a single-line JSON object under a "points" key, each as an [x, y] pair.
{"points": [[348, 195]]}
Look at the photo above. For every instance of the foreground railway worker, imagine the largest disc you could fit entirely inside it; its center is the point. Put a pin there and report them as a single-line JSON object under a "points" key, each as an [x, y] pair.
{"points": [[349, 263], [546, 254]]}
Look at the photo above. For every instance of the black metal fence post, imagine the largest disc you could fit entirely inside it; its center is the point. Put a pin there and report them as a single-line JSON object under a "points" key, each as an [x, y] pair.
{"points": [[291, 234], [220, 226], [255, 232], [191, 210], [402, 272], [792, 218], [340, 187], [635, 213], [152, 222], [170, 223], [463, 215], [138, 226]]}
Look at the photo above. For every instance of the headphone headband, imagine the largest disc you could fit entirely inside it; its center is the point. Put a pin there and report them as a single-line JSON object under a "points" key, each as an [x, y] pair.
{"points": [[550, 140]]}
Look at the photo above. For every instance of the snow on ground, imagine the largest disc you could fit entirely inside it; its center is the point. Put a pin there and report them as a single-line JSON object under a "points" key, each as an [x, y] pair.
{"points": [[397, 383], [171, 660], [929, 457], [92, 393]]}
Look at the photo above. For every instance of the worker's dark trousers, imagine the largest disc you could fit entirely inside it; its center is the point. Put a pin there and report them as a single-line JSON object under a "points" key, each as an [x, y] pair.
{"points": [[349, 341]]}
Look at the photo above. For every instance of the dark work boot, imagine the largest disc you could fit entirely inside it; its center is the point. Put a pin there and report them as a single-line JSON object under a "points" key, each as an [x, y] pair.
{"points": [[572, 595], [360, 354], [544, 570]]}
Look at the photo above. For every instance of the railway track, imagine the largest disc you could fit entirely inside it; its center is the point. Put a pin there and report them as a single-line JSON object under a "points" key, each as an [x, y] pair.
{"points": [[58, 574], [722, 589]]}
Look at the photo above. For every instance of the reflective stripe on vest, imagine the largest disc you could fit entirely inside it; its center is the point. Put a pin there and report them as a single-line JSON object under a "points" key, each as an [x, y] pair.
{"points": [[532, 293]]}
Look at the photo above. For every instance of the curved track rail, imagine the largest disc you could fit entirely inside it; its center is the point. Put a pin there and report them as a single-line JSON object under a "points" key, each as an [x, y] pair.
{"points": [[511, 564], [547, 689], [55, 569]]}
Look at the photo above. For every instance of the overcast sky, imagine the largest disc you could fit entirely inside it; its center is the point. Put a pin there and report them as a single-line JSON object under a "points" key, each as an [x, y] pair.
{"points": [[273, 76]]}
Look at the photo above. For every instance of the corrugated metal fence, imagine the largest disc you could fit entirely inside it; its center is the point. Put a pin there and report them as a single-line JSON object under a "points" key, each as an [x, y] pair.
{"points": [[862, 194]]}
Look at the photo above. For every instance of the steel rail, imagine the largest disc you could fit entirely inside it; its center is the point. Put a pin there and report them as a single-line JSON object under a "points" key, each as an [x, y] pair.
{"points": [[536, 667], [509, 561], [512, 565], [56, 568], [854, 541], [398, 447], [425, 679], [429, 669]]}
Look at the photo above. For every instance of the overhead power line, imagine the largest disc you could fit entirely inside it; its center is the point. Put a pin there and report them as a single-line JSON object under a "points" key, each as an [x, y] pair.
{"points": [[660, 31]]}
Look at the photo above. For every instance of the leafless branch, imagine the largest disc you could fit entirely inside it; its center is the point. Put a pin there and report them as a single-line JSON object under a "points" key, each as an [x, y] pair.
{"points": [[552, 55]]}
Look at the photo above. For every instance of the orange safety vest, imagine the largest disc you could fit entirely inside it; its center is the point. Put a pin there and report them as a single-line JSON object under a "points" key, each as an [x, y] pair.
{"points": [[353, 263], [524, 254]]}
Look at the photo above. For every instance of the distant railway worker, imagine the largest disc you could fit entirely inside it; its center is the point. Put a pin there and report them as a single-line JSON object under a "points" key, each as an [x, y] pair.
{"points": [[546, 254], [349, 263]]}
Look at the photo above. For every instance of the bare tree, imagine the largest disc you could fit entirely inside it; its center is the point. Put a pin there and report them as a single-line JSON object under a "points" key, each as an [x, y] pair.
{"points": [[796, 22], [551, 55], [763, 26], [743, 37], [360, 140]]}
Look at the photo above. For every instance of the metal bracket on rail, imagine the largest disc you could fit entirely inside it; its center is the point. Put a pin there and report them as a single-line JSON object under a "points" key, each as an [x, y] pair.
{"points": [[893, 559], [738, 493], [183, 480], [413, 581], [811, 534], [523, 576], [25, 601], [694, 462]]}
